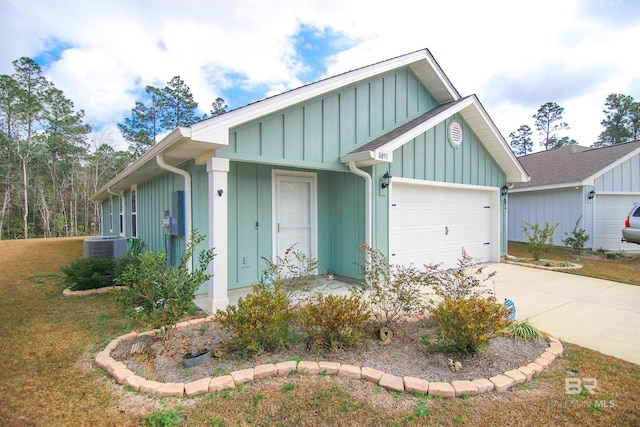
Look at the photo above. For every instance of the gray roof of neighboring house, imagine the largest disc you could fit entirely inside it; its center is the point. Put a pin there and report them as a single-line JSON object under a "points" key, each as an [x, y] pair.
{"points": [[571, 163]]}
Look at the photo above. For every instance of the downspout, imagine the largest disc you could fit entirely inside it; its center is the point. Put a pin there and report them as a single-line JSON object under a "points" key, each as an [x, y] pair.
{"points": [[187, 198], [367, 200]]}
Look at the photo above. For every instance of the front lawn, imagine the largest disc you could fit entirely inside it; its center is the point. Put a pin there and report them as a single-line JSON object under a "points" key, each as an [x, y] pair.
{"points": [[47, 376], [610, 265]]}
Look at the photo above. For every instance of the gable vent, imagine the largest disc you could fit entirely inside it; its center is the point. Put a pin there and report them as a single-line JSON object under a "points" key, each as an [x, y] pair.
{"points": [[455, 134]]}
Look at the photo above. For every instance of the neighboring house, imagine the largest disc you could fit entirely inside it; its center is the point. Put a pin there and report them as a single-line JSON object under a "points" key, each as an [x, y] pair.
{"points": [[598, 185], [306, 167]]}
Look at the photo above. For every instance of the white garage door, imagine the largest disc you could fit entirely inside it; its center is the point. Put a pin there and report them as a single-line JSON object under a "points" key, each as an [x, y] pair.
{"points": [[610, 212], [430, 224]]}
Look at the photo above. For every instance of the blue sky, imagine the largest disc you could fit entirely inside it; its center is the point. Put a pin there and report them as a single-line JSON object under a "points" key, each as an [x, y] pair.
{"points": [[514, 55]]}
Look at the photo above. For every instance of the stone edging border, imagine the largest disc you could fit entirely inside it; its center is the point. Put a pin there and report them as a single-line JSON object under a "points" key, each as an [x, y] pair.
{"points": [[69, 293], [499, 383], [544, 267]]}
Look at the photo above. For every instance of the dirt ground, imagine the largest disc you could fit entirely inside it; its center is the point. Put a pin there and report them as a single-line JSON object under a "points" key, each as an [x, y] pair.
{"points": [[404, 356]]}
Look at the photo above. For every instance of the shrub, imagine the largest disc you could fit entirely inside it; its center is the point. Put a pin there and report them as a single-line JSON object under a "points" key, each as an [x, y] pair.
{"points": [[89, 273], [540, 239], [393, 291], [523, 330], [165, 293], [468, 323], [577, 239], [465, 281], [259, 321], [334, 321], [293, 273]]}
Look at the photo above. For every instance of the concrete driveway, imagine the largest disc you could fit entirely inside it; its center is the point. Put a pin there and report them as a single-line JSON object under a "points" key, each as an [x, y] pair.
{"points": [[598, 314]]}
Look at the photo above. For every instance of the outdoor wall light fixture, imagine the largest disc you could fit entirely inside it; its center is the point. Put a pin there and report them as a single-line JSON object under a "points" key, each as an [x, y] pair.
{"points": [[591, 194], [386, 180], [220, 192], [504, 190]]}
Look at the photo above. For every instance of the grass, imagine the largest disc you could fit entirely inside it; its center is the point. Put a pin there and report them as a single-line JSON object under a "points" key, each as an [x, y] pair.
{"points": [[619, 269], [48, 379]]}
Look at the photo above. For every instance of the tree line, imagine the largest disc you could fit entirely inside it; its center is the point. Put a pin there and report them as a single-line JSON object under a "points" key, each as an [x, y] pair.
{"points": [[51, 162], [621, 124]]}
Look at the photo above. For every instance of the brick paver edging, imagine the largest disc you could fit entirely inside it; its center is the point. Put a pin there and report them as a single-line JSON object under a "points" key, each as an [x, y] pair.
{"points": [[500, 383], [69, 293]]}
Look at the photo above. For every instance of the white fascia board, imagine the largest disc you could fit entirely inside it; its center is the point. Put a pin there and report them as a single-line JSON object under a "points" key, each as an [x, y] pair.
{"points": [[150, 156], [519, 174], [398, 142], [549, 187], [367, 158], [591, 179], [216, 129]]}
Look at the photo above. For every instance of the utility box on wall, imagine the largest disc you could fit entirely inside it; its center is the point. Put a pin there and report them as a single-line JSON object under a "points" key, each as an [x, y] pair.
{"points": [[176, 226]]}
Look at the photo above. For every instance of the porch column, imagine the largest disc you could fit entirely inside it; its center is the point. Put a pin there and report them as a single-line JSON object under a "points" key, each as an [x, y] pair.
{"points": [[218, 169]]}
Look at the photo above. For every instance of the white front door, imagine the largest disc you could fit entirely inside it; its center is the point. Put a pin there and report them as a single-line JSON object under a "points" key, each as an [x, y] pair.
{"points": [[294, 213]]}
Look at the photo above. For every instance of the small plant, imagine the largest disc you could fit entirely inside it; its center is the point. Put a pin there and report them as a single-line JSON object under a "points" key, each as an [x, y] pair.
{"points": [[421, 408], [89, 273], [577, 239], [293, 273], [394, 291], [165, 293], [259, 321], [465, 281], [468, 323], [523, 330], [334, 321], [540, 239], [162, 418], [287, 387]]}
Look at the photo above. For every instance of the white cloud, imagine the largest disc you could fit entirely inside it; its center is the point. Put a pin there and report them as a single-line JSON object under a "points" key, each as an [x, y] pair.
{"points": [[514, 55]]}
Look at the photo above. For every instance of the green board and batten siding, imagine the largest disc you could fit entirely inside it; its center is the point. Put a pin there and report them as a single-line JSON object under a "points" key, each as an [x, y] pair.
{"points": [[340, 221], [312, 137], [153, 199], [430, 157]]}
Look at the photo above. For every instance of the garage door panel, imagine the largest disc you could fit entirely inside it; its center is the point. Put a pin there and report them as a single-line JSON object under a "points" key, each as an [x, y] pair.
{"points": [[609, 214], [448, 219]]}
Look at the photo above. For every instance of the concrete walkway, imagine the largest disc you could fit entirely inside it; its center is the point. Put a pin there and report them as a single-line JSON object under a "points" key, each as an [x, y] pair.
{"points": [[597, 314]]}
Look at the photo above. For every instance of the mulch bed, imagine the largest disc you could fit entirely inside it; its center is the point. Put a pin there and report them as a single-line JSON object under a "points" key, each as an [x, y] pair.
{"points": [[404, 356]]}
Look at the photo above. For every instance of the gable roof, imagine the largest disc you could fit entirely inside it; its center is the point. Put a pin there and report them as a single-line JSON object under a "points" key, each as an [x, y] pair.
{"points": [[573, 165], [474, 114], [200, 140]]}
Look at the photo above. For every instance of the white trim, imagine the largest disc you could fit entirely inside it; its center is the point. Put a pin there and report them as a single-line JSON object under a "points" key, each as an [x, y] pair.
{"points": [[134, 223], [427, 183], [121, 217], [548, 187], [110, 214], [312, 178], [218, 171]]}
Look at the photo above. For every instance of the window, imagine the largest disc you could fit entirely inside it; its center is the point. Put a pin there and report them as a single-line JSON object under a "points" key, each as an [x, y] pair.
{"points": [[134, 213], [122, 204], [111, 215]]}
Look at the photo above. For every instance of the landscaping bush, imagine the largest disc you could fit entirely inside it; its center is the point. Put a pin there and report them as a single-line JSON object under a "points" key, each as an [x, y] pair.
{"points": [[334, 321], [394, 291], [89, 273], [577, 239], [293, 273], [468, 323], [540, 239], [164, 294], [467, 311], [259, 321]]}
